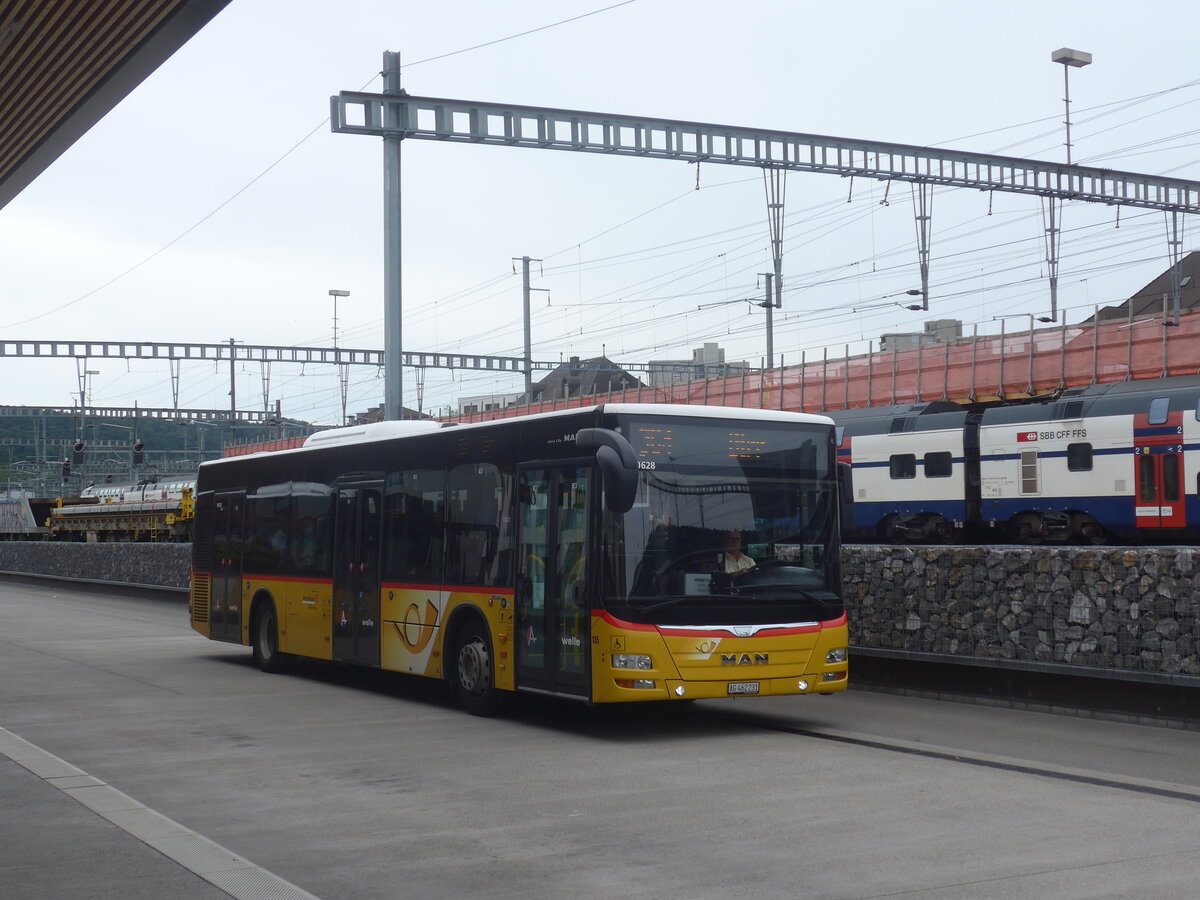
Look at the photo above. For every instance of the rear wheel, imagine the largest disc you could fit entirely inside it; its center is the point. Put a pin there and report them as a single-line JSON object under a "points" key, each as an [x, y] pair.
{"points": [[474, 676], [266, 639]]}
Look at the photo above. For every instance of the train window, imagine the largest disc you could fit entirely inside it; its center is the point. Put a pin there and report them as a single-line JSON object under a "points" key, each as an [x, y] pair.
{"points": [[903, 465], [1029, 472], [1147, 489], [1079, 457], [1198, 410], [938, 465], [1170, 477], [1158, 410], [901, 424], [1072, 409], [841, 429]]}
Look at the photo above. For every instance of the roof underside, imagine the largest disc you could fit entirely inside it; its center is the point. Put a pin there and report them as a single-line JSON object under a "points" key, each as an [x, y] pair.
{"points": [[65, 64]]}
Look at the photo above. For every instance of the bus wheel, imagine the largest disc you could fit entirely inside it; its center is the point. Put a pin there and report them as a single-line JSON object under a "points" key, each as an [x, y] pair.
{"points": [[266, 639], [474, 682]]}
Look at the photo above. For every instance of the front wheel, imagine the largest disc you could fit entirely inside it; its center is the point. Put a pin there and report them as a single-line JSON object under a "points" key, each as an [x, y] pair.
{"points": [[266, 639], [474, 677]]}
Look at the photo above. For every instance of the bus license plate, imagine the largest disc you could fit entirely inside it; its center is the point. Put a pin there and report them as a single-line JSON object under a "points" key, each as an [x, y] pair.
{"points": [[743, 687]]}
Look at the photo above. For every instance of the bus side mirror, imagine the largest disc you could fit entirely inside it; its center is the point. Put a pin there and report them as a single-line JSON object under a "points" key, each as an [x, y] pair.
{"points": [[618, 465]]}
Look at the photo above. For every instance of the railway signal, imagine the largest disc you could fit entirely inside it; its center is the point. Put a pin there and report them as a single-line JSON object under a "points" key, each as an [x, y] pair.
{"points": [[77, 452], [139, 453]]}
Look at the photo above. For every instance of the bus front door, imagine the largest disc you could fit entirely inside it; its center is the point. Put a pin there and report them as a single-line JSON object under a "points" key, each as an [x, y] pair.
{"points": [[356, 545], [225, 612], [552, 624]]}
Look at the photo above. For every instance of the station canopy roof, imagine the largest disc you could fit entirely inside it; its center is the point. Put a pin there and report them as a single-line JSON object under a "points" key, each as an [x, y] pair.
{"points": [[65, 63]]}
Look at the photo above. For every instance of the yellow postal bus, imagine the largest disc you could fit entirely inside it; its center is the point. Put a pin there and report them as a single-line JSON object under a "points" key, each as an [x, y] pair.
{"points": [[623, 552]]}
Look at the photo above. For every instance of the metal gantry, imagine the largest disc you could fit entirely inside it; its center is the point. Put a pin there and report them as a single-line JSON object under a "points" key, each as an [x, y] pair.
{"points": [[396, 116], [239, 352], [544, 128], [248, 417]]}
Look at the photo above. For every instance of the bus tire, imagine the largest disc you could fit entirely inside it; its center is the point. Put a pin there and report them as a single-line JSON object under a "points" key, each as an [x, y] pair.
{"points": [[474, 675], [265, 638]]}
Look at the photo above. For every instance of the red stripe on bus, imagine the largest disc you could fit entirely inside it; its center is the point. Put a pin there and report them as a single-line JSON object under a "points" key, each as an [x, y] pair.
{"points": [[452, 588], [289, 579], [679, 632]]}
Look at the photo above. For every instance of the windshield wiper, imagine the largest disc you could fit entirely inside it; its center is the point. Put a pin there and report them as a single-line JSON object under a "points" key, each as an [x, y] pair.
{"points": [[792, 590], [679, 598]]}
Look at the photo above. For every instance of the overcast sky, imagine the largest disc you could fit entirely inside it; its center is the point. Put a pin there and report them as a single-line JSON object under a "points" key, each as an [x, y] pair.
{"points": [[215, 203]]}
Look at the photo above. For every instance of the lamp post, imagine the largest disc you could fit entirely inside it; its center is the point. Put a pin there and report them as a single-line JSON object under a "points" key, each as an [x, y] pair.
{"points": [[343, 371], [1069, 59], [200, 434], [85, 388], [335, 294]]}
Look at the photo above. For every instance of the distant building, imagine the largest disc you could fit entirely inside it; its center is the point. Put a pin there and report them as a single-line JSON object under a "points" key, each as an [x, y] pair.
{"points": [[375, 414], [1148, 303], [937, 331], [581, 378], [706, 362], [469, 406]]}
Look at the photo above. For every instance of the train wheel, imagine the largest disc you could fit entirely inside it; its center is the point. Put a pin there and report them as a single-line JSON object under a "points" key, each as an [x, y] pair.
{"points": [[887, 531], [941, 531], [1026, 528], [1088, 530]]}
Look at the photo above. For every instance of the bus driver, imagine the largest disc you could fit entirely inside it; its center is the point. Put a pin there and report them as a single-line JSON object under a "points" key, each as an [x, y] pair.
{"points": [[736, 562]]}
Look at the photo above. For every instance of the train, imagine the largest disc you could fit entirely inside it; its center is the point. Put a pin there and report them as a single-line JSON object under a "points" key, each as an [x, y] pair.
{"points": [[156, 509], [1108, 463]]}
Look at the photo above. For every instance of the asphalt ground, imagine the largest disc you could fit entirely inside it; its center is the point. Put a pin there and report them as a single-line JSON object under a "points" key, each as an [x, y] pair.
{"points": [[139, 760]]}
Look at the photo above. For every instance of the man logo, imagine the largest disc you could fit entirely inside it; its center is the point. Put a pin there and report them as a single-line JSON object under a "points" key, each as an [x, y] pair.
{"points": [[745, 659]]}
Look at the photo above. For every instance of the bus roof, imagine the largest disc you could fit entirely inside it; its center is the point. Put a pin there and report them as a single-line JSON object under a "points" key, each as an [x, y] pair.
{"points": [[380, 431]]}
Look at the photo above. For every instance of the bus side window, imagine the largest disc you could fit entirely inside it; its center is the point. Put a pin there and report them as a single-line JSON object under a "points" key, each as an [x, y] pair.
{"points": [[267, 514], [478, 541], [414, 525], [312, 521]]}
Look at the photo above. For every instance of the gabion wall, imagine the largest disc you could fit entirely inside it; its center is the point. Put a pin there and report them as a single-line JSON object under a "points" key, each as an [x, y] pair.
{"points": [[1115, 608], [1111, 608], [159, 565]]}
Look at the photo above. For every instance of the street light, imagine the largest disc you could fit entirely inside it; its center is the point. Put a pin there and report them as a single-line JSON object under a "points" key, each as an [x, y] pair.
{"points": [[335, 294], [1069, 59]]}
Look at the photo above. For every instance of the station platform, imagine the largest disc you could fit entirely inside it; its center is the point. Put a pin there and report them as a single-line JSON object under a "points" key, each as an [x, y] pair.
{"points": [[65, 833]]}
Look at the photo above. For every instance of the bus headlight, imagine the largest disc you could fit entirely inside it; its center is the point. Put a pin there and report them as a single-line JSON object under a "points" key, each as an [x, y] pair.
{"points": [[837, 655], [637, 683], [631, 661]]}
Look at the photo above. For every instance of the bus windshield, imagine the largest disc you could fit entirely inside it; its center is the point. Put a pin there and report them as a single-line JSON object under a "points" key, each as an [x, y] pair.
{"points": [[733, 522]]}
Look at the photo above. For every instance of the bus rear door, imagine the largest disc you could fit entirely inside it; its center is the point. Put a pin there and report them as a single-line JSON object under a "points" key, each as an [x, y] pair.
{"points": [[356, 546], [225, 612], [552, 627]]}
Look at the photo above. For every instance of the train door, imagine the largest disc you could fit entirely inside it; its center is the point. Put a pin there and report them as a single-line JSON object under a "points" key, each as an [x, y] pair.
{"points": [[1158, 476], [356, 552], [552, 627], [225, 610]]}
